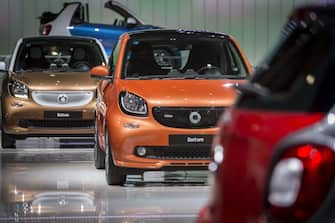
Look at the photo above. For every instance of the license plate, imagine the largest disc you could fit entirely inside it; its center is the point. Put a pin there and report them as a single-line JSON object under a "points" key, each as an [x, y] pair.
{"points": [[60, 115], [190, 139]]}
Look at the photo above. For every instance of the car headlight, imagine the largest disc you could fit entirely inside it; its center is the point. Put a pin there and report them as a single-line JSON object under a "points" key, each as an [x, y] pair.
{"points": [[18, 90], [132, 104]]}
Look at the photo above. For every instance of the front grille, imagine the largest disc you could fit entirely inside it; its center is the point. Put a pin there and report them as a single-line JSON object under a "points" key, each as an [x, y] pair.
{"points": [[189, 117], [178, 152], [63, 99], [56, 123]]}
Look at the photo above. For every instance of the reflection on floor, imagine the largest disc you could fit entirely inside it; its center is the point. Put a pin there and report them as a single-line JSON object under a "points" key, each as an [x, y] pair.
{"points": [[62, 185]]}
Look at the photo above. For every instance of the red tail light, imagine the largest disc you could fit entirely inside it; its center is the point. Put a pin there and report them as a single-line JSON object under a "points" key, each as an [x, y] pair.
{"points": [[300, 182], [47, 29]]}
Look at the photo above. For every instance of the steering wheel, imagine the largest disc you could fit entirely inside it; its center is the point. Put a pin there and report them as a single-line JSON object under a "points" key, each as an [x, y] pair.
{"points": [[59, 62], [81, 66], [209, 69]]}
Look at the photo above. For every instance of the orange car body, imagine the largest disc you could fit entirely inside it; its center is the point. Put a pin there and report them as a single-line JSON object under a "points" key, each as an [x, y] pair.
{"points": [[168, 144]]}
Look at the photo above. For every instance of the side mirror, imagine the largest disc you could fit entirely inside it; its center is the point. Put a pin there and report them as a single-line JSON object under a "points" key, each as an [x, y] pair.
{"points": [[2, 66], [253, 90], [100, 72], [131, 22]]}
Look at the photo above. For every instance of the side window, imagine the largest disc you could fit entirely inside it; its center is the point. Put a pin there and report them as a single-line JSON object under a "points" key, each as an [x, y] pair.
{"points": [[236, 63], [79, 14]]}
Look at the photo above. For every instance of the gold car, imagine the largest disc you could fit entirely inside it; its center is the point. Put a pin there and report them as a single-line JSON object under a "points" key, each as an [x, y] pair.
{"points": [[48, 90]]}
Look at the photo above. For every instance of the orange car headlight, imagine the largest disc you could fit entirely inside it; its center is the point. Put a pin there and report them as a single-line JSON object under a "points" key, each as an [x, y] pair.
{"points": [[132, 104], [18, 89]]}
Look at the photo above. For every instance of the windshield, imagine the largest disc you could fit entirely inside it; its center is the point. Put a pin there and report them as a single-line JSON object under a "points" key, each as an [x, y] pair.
{"points": [[183, 58], [57, 55]]}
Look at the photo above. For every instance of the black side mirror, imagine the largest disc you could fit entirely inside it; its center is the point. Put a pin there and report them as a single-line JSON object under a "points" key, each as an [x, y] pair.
{"points": [[252, 89]]}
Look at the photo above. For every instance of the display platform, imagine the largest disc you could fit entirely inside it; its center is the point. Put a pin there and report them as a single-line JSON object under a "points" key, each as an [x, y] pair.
{"points": [[52, 184]]}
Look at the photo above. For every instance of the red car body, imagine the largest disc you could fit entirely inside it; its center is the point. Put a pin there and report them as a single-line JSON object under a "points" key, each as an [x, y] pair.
{"points": [[270, 111], [248, 151]]}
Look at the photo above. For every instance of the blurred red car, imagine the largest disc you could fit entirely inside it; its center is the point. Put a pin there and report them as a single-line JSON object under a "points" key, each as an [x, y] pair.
{"points": [[279, 137]]}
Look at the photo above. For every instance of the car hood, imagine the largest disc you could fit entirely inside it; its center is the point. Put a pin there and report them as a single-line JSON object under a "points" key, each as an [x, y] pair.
{"points": [[204, 93], [57, 81]]}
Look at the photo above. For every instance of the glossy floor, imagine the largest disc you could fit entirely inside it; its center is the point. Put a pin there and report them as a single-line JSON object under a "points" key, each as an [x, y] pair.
{"points": [[62, 185]]}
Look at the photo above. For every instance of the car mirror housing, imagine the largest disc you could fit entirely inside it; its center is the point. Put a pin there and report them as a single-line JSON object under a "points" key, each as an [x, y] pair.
{"points": [[100, 72]]}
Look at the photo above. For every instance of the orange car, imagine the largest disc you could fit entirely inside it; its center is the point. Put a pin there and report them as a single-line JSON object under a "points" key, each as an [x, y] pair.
{"points": [[160, 99]]}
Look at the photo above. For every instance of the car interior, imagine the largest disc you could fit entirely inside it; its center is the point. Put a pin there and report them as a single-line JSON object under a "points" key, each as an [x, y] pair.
{"points": [[57, 57]]}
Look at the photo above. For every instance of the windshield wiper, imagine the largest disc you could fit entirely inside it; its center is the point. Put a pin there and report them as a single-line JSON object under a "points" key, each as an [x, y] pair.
{"points": [[172, 77], [234, 77], [192, 77], [29, 70], [184, 77], [60, 70], [204, 76], [148, 77]]}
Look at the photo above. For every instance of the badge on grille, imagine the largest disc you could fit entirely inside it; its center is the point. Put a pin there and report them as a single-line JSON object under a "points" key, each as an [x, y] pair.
{"points": [[63, 99], [195, 117]]}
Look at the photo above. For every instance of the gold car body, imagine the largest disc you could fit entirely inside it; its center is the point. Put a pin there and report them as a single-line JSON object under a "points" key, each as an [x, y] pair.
{"points": [[28, 116], [58, 103]]}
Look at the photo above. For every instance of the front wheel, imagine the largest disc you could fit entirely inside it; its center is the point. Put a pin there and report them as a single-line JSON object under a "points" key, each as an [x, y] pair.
{"points": [[99, 155], [114, 175]]}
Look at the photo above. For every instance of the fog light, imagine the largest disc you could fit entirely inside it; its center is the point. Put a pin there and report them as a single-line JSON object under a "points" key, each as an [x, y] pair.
{"points": [[141, 151]]}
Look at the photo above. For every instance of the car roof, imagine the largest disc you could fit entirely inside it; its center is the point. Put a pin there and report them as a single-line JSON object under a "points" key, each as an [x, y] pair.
{"points": [[36, 38], [167, 32]]}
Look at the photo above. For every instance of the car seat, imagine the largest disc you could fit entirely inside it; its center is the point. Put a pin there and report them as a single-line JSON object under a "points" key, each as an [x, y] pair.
{"points": [[142, 62], [35, 59], [79, 59], [201, 56]]}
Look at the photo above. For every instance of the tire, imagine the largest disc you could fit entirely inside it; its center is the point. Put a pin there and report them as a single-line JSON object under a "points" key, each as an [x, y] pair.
{"points": [[114, 175], [99, 155], [7, 141]]}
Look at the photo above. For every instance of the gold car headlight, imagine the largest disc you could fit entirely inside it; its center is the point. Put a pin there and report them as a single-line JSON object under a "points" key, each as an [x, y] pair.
{"points": [[18, 90]]}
